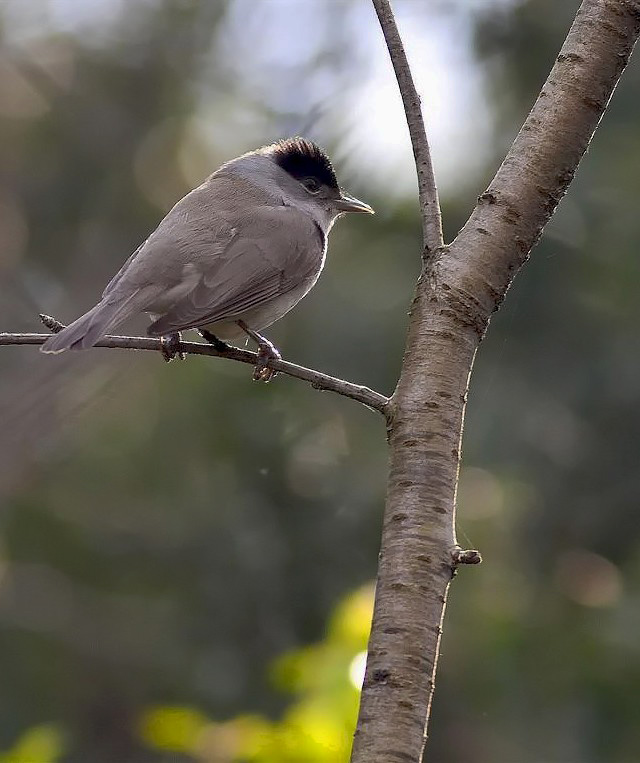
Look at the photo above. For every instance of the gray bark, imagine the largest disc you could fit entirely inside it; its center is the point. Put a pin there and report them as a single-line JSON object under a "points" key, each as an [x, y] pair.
{"points": [[459, 288]]}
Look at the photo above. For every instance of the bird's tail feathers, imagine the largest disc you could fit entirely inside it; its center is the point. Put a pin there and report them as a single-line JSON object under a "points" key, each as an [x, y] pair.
{"points": [[89, 328]]}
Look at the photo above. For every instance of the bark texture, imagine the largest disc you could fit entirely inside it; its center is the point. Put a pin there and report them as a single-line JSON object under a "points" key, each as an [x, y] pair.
{"points": [[459, 289]]}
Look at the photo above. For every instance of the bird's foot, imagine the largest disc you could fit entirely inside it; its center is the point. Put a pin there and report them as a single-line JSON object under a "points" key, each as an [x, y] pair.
{"points": [[170, 347], [267, 352], [218, 344]]}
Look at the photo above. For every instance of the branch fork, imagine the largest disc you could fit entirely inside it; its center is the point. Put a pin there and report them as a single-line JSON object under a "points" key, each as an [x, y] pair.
{"points": [[448, 317]]}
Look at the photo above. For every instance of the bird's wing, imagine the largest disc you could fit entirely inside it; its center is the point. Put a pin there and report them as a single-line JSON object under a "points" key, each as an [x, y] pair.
{"points": [[274, 251], [191, 236]]}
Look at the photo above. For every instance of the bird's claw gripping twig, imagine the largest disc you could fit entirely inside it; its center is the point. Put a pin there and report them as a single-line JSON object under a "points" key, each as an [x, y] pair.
{"points": [[170, 347], [262, 372], [266, 351]]}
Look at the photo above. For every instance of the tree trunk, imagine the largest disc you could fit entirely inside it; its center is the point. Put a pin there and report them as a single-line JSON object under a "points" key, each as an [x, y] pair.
{"points": [[460, 287]]}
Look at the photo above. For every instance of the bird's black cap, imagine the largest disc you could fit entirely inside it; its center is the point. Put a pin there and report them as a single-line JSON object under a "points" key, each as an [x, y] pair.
{"points": [[302, 158]]}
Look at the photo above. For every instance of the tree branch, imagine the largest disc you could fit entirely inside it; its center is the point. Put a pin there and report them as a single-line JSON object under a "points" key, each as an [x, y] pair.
{"points": [[454, 300], [427, 190], [318, 380]]}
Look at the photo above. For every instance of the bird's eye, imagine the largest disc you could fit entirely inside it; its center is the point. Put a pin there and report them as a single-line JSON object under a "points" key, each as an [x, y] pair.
{"points": [[311, 184]]}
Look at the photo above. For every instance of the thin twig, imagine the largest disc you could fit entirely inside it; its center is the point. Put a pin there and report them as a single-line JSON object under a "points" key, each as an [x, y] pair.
{"points": [[318, 380], [427, 190]]}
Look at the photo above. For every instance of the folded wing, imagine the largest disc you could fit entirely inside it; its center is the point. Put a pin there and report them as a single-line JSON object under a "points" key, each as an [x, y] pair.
{"points": [[277, 250]]}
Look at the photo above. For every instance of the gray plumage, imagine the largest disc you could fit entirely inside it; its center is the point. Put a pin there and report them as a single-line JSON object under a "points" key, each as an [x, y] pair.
{"points": [[246, 245]]}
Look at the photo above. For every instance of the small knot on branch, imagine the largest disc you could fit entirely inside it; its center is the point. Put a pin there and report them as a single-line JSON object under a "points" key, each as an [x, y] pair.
{"points": [[466, 556], [51, 323]]}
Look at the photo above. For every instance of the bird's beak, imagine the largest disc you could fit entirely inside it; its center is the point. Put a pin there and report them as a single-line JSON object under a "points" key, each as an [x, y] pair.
{"points": [[346, 203]]}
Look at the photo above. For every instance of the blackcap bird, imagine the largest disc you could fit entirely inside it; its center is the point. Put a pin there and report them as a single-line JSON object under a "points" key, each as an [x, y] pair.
{"points": [[231, 257]]}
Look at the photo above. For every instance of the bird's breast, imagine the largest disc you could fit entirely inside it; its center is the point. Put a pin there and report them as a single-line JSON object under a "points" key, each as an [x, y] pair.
{"points": [[263, 316]]}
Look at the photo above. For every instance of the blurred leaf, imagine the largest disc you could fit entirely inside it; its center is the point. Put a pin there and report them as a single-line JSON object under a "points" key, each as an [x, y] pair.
{"points": [[40, 744], [172, 728]]}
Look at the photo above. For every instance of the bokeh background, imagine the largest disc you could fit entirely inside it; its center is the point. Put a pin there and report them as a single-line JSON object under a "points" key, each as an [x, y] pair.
{"points": [[186, 557]]}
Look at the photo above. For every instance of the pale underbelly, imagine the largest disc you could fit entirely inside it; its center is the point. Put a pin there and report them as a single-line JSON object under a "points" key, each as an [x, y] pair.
{"points": [[258, 318]]}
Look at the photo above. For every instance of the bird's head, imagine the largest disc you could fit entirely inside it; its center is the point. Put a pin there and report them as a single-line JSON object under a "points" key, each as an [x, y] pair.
{"points": [[300, 174], [315, 179]]}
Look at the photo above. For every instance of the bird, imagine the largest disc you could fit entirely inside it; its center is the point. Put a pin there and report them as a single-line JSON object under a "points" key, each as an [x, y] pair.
{"points": [[231, 257]]}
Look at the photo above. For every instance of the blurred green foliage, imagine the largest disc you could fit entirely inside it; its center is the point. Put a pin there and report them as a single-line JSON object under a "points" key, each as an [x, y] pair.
{"points": [[167, 532], [316, 728], [40, 744]]}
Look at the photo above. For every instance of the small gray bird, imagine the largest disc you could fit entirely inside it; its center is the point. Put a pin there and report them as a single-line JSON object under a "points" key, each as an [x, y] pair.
{"points": [[231, 257]]}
